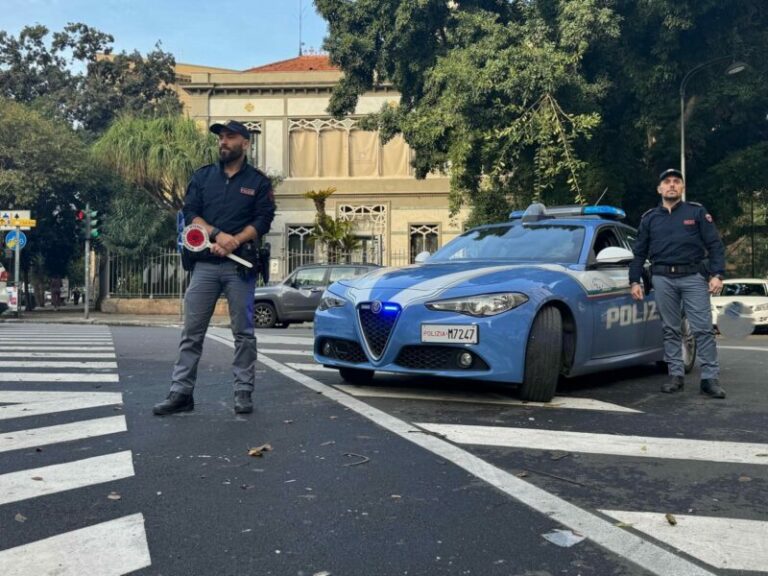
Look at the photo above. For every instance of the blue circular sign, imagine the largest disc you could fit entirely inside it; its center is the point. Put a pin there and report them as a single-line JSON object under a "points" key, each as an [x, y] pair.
{"points": [[10, 240]]}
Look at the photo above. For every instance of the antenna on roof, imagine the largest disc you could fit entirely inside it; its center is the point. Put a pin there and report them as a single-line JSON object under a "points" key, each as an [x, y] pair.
{"points": [[601, 196], [301, 17]]}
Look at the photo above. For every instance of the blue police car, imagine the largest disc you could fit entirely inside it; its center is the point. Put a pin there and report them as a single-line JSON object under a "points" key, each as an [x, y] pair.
{"points": [[541, 296]]}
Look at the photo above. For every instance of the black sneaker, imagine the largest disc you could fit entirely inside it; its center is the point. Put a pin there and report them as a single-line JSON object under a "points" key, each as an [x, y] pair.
{"points": [[243, 402], [711, 387], [175, 402], [675, 384]]}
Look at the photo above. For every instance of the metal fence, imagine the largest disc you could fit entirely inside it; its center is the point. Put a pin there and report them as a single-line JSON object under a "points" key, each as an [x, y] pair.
{"points": [[160, 275]]}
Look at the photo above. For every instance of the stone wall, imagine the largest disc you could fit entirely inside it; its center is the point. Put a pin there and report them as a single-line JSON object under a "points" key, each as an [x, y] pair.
{"points": [[152, 306]]}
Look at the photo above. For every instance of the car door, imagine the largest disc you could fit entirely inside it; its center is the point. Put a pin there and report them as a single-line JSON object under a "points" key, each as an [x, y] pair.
{"points": [[303, 292], [620, 322]]}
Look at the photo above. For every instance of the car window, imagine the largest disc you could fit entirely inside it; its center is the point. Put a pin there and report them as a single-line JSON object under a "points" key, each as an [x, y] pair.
{"points": [[341, 273], [629, 237], [519, 242], [309, 278], [743, 289]]}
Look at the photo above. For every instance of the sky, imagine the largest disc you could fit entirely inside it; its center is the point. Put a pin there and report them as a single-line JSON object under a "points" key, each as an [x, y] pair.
{"points": [[234, 34]]}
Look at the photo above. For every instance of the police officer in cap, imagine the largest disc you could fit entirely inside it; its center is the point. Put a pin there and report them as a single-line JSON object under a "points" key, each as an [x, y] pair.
{"points": [[678, 238], [234, 201]]}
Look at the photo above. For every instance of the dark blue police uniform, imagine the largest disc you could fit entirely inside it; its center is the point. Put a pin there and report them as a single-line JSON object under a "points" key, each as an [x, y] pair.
{"points": [[229, 205], [685, 250]]}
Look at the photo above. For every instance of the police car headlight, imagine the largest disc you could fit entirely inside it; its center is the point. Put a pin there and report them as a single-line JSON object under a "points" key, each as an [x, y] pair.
{"points": [[481, 305], [760, 307], [330, 300]]}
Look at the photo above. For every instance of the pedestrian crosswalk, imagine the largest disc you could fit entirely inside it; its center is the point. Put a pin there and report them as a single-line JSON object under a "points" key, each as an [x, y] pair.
{"points": [[47, 399], [691, 543]]}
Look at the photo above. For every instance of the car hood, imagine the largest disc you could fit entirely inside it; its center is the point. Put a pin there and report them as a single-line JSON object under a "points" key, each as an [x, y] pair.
{"points": [[433, 277]]}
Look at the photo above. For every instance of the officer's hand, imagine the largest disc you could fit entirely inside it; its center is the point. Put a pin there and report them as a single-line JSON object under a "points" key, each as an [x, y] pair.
{"points": [[637, 291], [715, 285], [226, 244]]}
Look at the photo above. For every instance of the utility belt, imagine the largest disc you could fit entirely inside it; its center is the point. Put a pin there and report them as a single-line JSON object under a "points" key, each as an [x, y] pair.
{"points": [[677, 269]]}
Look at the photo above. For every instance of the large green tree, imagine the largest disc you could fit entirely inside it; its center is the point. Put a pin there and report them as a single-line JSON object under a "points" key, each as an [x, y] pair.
{"points": [[561, 99], [75, 75]]}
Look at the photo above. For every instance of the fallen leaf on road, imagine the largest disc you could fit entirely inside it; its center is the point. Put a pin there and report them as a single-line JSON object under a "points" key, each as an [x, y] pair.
{"points": [[20, 518], [522, 474], [745, 479], [623, 525], [353, 455], [38, 478], [114, 496], [323, 573], [259, 450], [671, 519], [287, 421]]}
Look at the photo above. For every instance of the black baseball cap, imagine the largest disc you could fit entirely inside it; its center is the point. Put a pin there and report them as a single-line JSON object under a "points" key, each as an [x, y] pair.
{"points": [[671, 172], [232, 126]]}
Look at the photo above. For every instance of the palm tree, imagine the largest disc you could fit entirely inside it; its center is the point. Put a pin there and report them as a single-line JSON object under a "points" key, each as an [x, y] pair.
{"points": [[157, 154], [336, 235]]}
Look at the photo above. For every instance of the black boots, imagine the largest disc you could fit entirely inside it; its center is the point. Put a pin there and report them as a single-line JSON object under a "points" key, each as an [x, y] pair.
{"points": [[175, 402], [711, 387], [674, 384], [243, 402]]}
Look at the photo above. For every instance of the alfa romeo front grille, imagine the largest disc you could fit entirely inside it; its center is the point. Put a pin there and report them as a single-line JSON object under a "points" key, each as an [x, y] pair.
{"points": [[377, 321]]}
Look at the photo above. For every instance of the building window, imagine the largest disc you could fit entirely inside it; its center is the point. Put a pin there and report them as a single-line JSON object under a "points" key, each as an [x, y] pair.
{"points": [[301, 246], [423, 238], [329, 148]]}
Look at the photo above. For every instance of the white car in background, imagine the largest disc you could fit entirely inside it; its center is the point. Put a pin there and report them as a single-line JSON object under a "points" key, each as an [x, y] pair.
{"points": [[751, 293]]}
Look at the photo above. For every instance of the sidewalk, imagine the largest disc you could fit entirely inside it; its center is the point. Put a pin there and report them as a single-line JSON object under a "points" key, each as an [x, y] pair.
{"points": [[70, 314]]}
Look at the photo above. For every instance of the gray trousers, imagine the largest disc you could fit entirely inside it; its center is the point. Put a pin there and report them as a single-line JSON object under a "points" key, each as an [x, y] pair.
{"points": [[209, 281], [690, 294]]}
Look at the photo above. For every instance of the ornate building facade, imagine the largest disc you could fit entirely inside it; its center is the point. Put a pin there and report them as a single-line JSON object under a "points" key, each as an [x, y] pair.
{"points": [[394, 215]]}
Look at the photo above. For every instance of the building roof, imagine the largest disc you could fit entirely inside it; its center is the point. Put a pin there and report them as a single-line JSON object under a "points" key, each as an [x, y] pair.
{"points": [[304, 63]]}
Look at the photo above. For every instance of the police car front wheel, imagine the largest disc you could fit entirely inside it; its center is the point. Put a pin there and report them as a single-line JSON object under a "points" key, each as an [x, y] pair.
{"points": [[543, 356]]}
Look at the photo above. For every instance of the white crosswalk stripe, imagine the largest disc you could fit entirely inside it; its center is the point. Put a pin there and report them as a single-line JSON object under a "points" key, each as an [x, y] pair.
{"points": [[46, 480], [613, 444], [108, 549], [51, 354]]}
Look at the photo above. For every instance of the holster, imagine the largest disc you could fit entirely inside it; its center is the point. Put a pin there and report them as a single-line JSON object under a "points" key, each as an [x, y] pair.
{"points": [[248, 251]]}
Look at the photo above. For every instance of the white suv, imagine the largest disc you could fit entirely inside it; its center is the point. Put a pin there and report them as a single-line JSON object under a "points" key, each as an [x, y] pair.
{"points": [[3, 289]]}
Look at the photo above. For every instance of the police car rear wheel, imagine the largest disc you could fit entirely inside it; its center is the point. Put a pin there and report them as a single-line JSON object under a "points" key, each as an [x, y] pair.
{"points": [[264, 315], [542, 356], [356, 376]]}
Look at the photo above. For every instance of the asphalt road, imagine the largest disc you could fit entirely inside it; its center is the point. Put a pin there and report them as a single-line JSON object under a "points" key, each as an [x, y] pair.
{"points": [[408, 476]]}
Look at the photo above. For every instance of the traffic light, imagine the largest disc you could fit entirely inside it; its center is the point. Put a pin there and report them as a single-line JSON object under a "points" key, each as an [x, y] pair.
{"points": [[82, 223], [93, 224]]}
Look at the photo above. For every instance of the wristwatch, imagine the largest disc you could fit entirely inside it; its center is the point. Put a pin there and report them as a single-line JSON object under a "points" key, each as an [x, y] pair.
{"points": [[214, 232]]}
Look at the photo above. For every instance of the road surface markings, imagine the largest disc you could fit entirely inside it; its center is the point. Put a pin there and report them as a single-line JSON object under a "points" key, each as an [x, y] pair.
{"points": [[751, 348], [57, 377], [473, 398], [83, 355], [306, 367], [59, 348], [82, 364], [112, 548], [725, 543], [656, 559], [284, 351], [613, 444], [46, 480], [20, 404], [81, 430], [263, 338]]}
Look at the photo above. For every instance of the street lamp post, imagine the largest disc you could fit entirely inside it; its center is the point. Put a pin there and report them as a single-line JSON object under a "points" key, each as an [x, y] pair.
{"points": [[734, 68]]}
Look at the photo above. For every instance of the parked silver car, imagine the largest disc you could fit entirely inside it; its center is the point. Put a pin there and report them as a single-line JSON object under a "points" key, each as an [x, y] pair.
{"points": [[296, 298]]}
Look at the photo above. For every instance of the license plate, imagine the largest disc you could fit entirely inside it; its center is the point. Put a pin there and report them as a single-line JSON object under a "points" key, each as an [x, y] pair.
{"points": [[447, 333]]}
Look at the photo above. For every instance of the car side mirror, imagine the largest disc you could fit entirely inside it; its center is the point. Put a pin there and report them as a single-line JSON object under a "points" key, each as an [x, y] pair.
{"points": [[614, 255], [422, 257]]}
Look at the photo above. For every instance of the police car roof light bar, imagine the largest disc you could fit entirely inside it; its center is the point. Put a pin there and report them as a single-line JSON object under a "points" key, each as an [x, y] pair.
{"points": [[609, 212]]}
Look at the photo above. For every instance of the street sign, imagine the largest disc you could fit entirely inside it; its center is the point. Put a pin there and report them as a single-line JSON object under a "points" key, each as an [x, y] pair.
{"points": [[10, 240], [24, 223], [7, 218]]}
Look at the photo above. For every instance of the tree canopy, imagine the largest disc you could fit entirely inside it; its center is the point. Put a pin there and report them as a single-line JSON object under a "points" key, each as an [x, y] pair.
{"points": [[560, 100], [75, 75]]}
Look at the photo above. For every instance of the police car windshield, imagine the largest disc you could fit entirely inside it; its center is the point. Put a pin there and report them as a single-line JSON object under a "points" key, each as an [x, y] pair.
{"points": [[520, 242]]}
